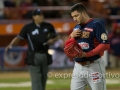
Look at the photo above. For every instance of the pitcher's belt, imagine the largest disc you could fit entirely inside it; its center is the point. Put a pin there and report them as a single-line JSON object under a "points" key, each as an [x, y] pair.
{"points": [[86, 62]]}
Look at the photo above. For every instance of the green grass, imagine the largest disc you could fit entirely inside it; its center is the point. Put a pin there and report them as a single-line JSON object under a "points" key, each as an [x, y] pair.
{"points": [[58, 83], [113, 86], [13, 80], [16, 88]]}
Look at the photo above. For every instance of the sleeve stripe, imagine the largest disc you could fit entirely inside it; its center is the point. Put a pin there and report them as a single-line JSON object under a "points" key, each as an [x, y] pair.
{"points": [[20, 37], [30, 42]]}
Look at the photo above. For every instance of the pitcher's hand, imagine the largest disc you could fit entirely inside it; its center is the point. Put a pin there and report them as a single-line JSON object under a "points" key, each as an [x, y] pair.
{"points": [[76, 34]]}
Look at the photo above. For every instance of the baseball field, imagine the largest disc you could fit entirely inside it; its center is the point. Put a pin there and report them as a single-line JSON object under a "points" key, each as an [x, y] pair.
{"points": [[57, 80]]}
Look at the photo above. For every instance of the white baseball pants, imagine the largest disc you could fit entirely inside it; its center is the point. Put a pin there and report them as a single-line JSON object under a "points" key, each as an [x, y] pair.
{"points": [[92, 75]]}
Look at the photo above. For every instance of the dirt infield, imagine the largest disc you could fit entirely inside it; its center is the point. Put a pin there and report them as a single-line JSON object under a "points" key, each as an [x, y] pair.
{"points": [[14, 74]]}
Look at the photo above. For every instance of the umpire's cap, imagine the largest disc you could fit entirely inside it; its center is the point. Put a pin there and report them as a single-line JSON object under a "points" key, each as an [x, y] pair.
{"points": [[37, 12]]}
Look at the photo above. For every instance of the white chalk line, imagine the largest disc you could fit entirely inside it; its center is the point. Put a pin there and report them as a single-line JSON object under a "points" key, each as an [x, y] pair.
{"points": [[21, 84], [28, 84]]}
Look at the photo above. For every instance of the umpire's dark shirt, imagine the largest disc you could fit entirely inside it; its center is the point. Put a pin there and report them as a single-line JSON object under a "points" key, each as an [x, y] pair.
{"points": [[36, 35]]}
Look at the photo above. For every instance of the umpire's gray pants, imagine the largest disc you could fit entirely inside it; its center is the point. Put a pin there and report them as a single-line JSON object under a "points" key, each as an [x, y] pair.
{"points": [[38, 72]]}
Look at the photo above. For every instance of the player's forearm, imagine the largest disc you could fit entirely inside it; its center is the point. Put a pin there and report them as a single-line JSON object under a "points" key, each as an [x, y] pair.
{"points": [[14, 42], [100, 48], [55, 38], [52, 40]]}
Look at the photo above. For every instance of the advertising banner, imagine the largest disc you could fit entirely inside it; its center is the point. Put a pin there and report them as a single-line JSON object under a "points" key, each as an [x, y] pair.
{"points": [[14, 28], [13, 59]]}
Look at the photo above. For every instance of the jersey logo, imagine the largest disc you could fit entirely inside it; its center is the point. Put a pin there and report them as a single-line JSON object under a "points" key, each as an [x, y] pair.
{"points": [[35, 32], [95, 77], [45, 30], [88, 29], [104, 36], [84, 45], [85, 34], [76, 29]]}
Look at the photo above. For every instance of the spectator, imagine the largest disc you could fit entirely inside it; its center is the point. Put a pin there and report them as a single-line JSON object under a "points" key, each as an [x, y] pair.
{"points": [[52, 13], [27, 14], [11, 13], [1, 11], [112, 8], [10, 3], [58, 52], [114, 51]]}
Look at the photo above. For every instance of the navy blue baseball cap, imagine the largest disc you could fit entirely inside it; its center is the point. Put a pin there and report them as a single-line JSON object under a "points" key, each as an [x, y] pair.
{"points": [[37, 12]]}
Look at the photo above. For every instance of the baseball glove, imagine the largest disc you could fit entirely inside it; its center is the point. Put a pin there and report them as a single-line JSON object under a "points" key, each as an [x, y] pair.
{"points": [[72, 49]]}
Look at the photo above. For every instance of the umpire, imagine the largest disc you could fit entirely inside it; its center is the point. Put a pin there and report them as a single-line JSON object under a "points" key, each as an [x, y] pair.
{"points": [[39, 35]]}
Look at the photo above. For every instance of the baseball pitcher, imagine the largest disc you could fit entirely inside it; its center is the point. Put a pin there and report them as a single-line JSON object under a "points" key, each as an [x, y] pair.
{"points": [[85, 46]]}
